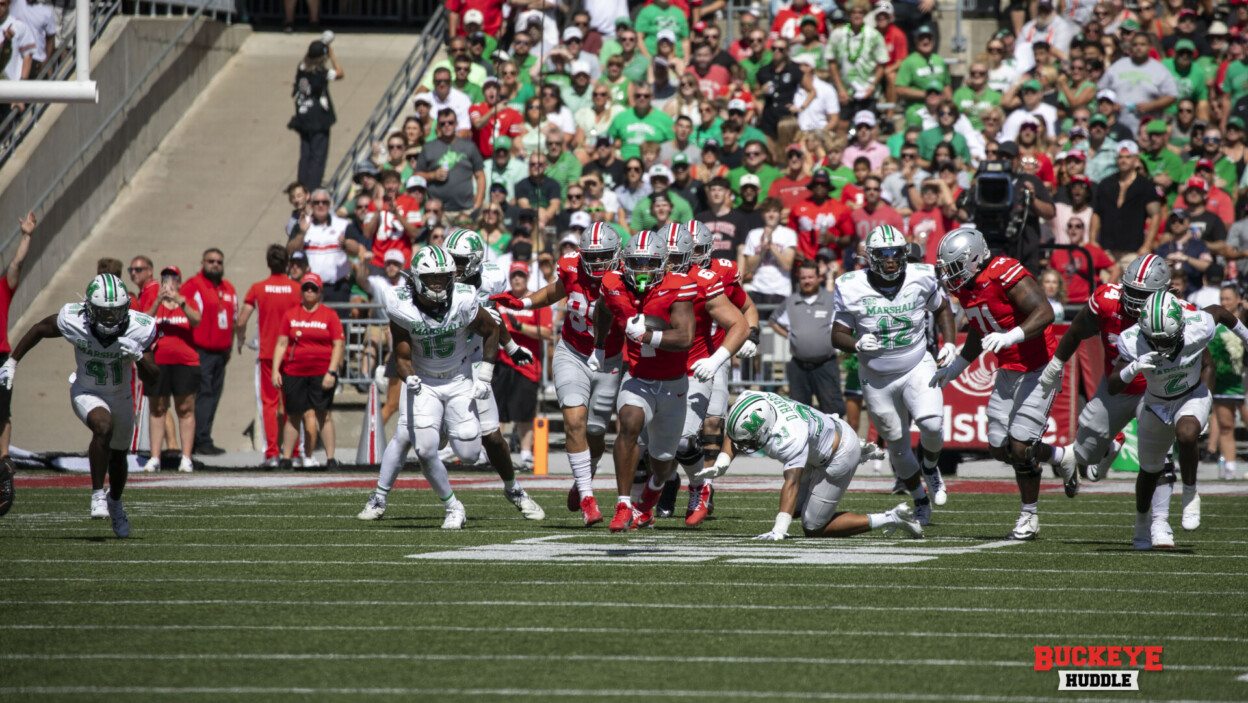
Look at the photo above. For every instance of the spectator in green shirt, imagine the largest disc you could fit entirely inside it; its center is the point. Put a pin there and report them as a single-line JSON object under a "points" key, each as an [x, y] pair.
{"points": [[656, 17], [641, 124], [611, 45], [759, 56], [461, 81], [1164, 166], [756, 164], [709, 128], [660, 184], [525, 61], [975, 98], [502, 168], [561, 166], [619, 84], [921, 68], [946, 115], [1189, 78]]}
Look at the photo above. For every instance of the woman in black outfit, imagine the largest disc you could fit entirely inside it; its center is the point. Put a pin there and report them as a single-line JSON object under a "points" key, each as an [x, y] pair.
{"points": [[314, 111]]}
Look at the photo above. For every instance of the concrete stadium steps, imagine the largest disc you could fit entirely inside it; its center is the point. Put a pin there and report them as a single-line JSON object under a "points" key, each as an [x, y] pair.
{"points": [[216, 180]]}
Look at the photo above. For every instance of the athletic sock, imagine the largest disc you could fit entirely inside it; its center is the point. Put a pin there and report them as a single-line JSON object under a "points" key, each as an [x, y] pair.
{"points": [[651, 485], [1029, 508], [783, 520], [928, 468], [1161, 500], [877, 520], [509, 486], [526, 456], [451, 502], [381, 491], [1059, 453], [1229, 467], [1189, 492], [582, 471], [625, 500]]}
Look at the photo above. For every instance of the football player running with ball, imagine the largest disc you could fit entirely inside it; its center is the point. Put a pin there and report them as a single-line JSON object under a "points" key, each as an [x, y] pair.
{"points": [[1168, 347], [654, 308], [432, 320], [886, 308], [109, 341], [586, 396], [1010, 317], [820, 454]]}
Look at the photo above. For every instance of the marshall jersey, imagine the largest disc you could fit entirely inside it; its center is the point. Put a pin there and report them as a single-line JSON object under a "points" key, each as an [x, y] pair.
{"points": [[730, 275], [899, 322], [103, 370], [801, 437], [441, 348], [1112, 318], [710, 286], [644, 361], [1176, 378], [987, 304], [492, 280], [583, 291]]}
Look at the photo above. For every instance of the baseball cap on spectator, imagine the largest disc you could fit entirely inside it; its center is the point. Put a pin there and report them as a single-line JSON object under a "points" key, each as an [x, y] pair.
{"points": [[805, 59], [750, 179], [1205, 164], [924, 30], [602, 140], [488, 80], [1130, 25], [579, 66], [808, 18], [864, 117], [317, 49], [818, 177], [736, 105], [1177, 214], [710, 144], [1187, 12], [520, 267], [1130, 147], [884, 8], [1098, 119], [572, 33], [503, 143], [499, 186], [665, 34], [1184, 45], [411, 151], [476, 38], [426, 98], [1032, 84], [1197, 183], [1218, 29], [570, 238], [175, 271], [501, 55], [473, 17], [660, 171], [1081, 180], [310, 278], [946, 166], [1235, 121], [414, 182], [1155, 127], [580, 219], [935, 87], [795, 147], [623, 21], [1029, 121], [300, 255], [1009, 149], [754, 10], [1077, 155], [699, 26], [826, 254], [680, 160], [1107, 94], [394, 255], [529, 17], [365, 168], [1061, 156]]}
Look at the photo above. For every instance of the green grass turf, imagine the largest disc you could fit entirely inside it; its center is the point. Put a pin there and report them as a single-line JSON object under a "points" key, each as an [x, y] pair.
{"points": [[282, 595]]}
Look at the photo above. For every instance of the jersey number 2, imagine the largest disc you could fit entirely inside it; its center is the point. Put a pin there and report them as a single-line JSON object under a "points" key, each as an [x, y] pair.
{"points": [[896, 335]]}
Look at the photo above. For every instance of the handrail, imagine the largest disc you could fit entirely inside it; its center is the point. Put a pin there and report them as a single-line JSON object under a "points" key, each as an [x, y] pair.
{"points": [[391, 104]]}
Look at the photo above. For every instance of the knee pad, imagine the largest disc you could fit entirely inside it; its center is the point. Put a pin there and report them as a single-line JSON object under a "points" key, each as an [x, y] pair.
{"points": [[468, 450], [426, 442], [711, 445], [931, 432], [689, 451]]}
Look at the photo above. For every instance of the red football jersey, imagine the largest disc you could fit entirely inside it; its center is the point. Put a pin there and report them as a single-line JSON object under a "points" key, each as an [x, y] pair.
{"points": [[709, 286], [645, 361], [505, 123], [1106, 303], [811, 221], [271, 298], [390, 235], [583, 291], [988, 307], [731, 278]]}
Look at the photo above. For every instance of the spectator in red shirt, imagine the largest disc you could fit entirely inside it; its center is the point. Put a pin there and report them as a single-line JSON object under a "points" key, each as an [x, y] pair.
{"points": [[934, 217], [491, 14], [788, 21], [214, 340], [143, 275], [493, 118], [874, 211], [270, 299], [1073, 264], [8, 286], [821, 221], [309, 347], [791, 188], [178, 364], [713, 79], [896, 43], [393, 227], [516, 386]]}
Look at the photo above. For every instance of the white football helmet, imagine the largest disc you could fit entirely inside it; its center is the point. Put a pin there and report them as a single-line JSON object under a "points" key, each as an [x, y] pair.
{"points": [[645, 261], [107, 305], [886, 252], [1144, 276], [433, 275], [962, 253], [679, 247], [703, 242], [600, 249], [750, 421], [1162, 324], [468, 250]]}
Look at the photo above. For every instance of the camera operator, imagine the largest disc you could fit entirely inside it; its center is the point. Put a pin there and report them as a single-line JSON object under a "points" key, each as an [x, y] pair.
{"points": [[1012, 230]]}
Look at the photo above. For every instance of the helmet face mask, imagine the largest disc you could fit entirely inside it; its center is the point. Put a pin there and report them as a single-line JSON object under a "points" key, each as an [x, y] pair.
{"points": [[645, 261], [962, 253], [703, 243], [433, 277], [600, 249], [679, 247], [1144, 276], [1162, 324], [107, 306], [886, 252]]}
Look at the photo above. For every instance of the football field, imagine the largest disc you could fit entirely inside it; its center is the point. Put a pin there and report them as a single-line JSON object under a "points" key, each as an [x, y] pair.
{"points": [[272, 592]]}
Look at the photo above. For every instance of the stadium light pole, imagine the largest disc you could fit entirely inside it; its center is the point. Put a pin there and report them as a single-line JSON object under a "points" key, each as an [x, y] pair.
{"points": [[80, 90]]}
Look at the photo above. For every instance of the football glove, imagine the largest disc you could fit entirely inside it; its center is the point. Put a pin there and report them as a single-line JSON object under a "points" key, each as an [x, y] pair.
{"points": [[130, 349], [704, 369], [955, 368], [867, 343], [518, 354], [413, 384], [997, 341], [635, 328], [507, 300], [946, 354], [597, 361]]}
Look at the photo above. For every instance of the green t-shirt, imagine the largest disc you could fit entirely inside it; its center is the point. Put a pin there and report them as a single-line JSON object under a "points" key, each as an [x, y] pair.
{"points": [[1223, 168], [1164, 161], [576, 102], [750, 66], [653, 19], [1191, 86], [766, 174], [857, 55], [524, 67], [929, 138], [1236, 81], [525, 92], [705, 131], [619, 91], [917, 72], [895, 143], [815, 52], [472, 90], [610, 47], [631, 131], [974, 106], [635, 70], [564, 171], [840, 178], [641, 218], [1061, 97]]}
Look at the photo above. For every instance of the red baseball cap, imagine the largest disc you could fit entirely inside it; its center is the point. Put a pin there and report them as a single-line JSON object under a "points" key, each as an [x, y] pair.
{"points": [[171, 269], [1204, 163], [699, 26], [518, 267], [312, 278], [1076, 154], [1198, 183], [1082, 179]]}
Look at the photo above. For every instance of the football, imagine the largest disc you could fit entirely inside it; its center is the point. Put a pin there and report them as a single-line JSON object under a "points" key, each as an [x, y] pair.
{"points": [[654, 322]]}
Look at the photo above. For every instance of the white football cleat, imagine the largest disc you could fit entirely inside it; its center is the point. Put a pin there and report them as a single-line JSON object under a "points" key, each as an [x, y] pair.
{"points": [[903, 519], [310, 463], [99, 505], [935, 487], [526, 505], [1191, 511], [1027, 527], [1162, 535], [121, 523], [152, 466], [1069, 473], [923, 512], [374, 509], [455, 517], [185, 465], [1143, 539]]}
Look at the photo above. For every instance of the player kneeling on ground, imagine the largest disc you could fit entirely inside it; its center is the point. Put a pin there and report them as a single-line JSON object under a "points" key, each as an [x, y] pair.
{"points": [[109, 340], [820, 455]]}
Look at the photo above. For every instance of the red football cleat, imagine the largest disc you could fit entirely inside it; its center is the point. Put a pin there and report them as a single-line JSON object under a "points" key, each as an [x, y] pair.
{"points": [[642, 519], [699, 505], [590, 511], [574, 498], [649, 498], [623, 520]]}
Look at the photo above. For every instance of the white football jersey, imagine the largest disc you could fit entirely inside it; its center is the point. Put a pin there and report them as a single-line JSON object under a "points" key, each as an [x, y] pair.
{"points": [[1178, 377], [440, 348], [900, 322], [103, 370], [802, 436], [493, 281]]}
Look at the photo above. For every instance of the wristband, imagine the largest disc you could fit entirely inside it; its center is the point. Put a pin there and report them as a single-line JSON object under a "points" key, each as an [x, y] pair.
{"points": [[1128, 374], [510, 347], [333, 373], [526, 303], [753, 336], [783, 520], [1240, 331], [656, 338], [485, 374]]}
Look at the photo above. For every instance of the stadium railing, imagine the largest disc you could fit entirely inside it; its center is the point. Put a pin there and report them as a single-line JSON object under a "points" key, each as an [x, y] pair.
{"points": [[338, 12]]}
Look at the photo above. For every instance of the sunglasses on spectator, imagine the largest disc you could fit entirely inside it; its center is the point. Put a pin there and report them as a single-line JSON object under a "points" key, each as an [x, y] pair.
{"points": [[572, 195], [996, 50], [1185, 109], [627, 40], [642, 95], [320, 202], [601, 94], [595, 208], [214, 262], [870, 190], [446, 123], [394, 147], [441, 81], [979, 73], [537, 164], [137, 269], [909, 157], [361, 206], [510, 73], [633, 169], [754, 153], [944, 113]]}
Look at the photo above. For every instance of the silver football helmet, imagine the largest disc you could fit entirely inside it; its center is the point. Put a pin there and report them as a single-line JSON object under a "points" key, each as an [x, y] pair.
{"points": [[703, 242], [679, 247], [468, 250], [600, 249], [1144, 276], [107, 305], [645, 261], [750, 422], [960, 256], [886, 252], [1162, 324]]}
